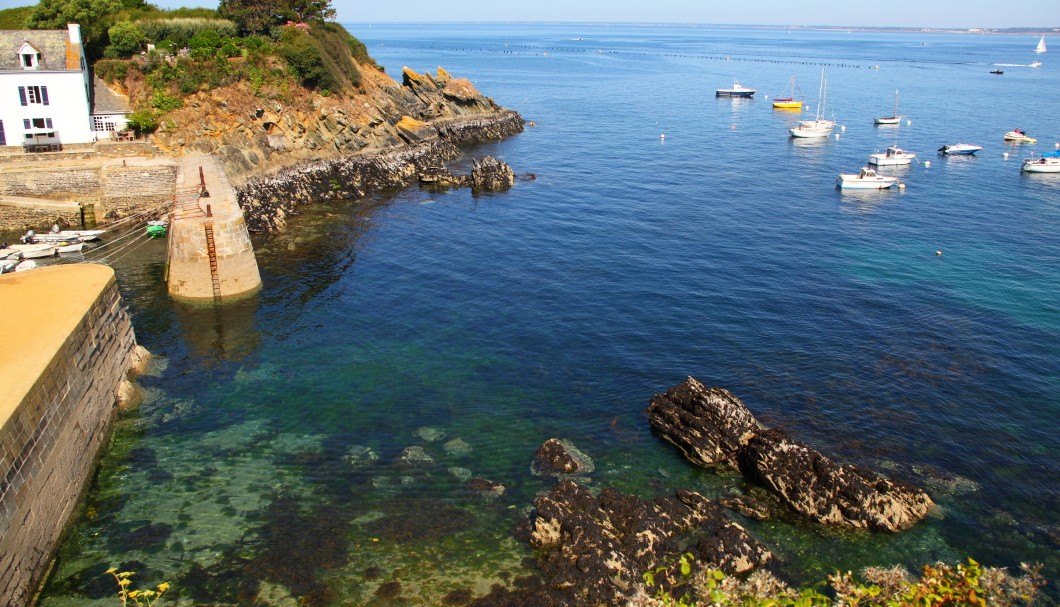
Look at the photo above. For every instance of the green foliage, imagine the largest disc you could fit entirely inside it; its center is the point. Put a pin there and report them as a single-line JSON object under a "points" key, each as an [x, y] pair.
{"points": [[111, 70], [164, 102], [15, 18], [126, 38], [140, 598], [941, 585], [304, 57], [182, 31], [94, 16], [144, 120], [256, 17]]}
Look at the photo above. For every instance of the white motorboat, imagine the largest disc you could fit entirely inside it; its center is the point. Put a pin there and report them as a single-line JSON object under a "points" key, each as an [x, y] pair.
{"points": [[737, 90], [70, 247], [1046, 163], [894, 155], [62, 236], [1034, 64], [26, 264], [8, 265], [36, 251], [1018, 136], [818, 127], [960, 149], [865, 179], [894, 118]]}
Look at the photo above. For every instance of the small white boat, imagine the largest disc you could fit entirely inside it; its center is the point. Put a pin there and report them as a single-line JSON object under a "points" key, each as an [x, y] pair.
{"points": [[818, 127], [1046, 163], [737, 90], [894, 155], [894, 118], [865, 179], [8, 265], [36, 251], [26, 264], [70, 247], [1018, 136], [67, 235], [960, 149], [1034, 64], [1041, 46]]}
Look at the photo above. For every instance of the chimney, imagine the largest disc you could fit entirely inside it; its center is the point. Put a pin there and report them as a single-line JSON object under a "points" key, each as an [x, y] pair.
{"points": [[73, 47]]}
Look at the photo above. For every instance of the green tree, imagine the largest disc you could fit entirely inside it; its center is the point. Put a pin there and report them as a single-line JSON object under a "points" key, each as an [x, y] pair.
{"points": [[126, 38], [94, 17], [257, 17]]}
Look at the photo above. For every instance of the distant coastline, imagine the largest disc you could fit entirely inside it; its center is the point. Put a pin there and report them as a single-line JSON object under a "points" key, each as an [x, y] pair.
{"points": [[1006, 31]]}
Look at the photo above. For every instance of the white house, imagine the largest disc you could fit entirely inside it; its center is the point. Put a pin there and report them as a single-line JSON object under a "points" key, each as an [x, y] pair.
{"points": [[46, 91]]}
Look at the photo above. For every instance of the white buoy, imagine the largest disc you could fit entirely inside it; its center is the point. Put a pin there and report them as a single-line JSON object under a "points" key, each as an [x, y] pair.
{"points": [[662, 135], [843, 128], [927, 164], [1058, 146], [765, 97], [937, 253], [1005, 155], [837, 136], [908, 122], [901, 186]]}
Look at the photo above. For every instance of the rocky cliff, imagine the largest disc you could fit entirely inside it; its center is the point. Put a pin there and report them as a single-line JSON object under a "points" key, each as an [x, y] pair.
{"points": [[312, 147]]}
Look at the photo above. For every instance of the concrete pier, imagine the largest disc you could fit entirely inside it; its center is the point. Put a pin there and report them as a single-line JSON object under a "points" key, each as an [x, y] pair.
{"points": [[67, 347], [210, 254]]}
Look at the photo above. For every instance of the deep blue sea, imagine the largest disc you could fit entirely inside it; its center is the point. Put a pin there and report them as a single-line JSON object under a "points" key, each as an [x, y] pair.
{"points": [[264, 465]]}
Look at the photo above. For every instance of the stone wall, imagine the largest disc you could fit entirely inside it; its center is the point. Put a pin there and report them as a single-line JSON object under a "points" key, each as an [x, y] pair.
{"points": [[112, 186], [58, 414]]}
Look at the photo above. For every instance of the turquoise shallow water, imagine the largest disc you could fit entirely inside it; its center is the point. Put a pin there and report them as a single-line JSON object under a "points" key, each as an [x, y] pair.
{"points": [[265, 463]]}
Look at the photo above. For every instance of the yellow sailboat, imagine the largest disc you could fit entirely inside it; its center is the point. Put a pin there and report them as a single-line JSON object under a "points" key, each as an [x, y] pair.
{"points": [[790, 102]]}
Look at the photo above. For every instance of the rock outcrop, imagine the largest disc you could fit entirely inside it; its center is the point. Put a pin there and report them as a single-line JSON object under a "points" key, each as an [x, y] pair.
{"points": [[594, 549], [491, 175], [560, 458], [281, 154], [713, 428]]}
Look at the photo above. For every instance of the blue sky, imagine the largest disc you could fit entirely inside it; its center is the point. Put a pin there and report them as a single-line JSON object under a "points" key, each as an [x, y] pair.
{"points": [[914, 13]]}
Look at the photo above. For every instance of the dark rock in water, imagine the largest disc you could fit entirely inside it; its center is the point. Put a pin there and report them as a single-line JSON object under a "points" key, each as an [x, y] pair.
{"points": [[593, 550], [528, 177], [485, 488], [491, 175], [746, 505], [845, 494], [558, 457], [708, 425], [713, 428]]}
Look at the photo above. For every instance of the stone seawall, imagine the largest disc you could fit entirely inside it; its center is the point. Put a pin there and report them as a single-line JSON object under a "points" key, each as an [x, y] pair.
{"points": [[267, 201], [121, 187], [60, 370]]}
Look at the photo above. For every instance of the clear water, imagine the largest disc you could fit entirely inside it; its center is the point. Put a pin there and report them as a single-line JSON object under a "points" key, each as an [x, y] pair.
{"points": [[264, 463]]}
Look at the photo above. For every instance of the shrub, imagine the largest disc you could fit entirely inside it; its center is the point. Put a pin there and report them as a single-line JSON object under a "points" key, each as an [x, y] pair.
{"points": [[111, 70], [306, 60], [126, 38], [143, 121], [182, 30]]}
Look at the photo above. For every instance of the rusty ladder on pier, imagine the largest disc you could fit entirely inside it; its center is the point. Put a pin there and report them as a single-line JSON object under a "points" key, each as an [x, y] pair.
{"points": [[211, 245]]}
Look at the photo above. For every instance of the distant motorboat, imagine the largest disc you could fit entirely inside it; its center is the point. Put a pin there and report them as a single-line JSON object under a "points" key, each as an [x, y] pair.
{"points": [[894, 118], [865, 179], [1018, 136], [790, 102], [1034, 64], [894, 155], [1041, 46], [1046, 163], [737, 90], [997, 72], [960, 149]]}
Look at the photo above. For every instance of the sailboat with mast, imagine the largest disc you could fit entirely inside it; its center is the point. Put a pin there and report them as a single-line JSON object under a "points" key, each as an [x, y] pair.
{"points": [[818, 127], [893, 118], [793, 99], [1041, 46]]}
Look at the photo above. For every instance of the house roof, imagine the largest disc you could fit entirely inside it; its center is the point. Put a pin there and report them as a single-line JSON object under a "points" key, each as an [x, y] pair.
{"points": [[106, 101], [50, 43]]}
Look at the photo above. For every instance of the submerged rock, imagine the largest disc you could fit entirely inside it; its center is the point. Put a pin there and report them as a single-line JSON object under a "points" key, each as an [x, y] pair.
{"points": [[713, 428], [746, 505], [456, 447], [559, 457], [593, 550], [429, 434]]}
